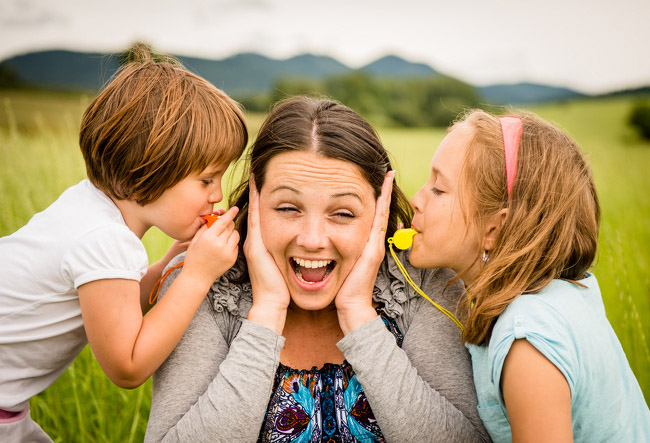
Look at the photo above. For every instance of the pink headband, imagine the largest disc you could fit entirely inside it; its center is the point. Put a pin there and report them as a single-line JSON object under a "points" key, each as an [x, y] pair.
{"points": [[511, 128]]}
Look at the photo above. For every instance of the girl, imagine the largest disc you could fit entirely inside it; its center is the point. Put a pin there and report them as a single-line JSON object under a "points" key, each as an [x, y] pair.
{"points": [[511, 206]]}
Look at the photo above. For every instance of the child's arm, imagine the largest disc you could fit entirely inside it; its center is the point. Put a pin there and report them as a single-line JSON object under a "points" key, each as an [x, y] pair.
{"points": [[537, 396], [130, 347], [154, 272]]}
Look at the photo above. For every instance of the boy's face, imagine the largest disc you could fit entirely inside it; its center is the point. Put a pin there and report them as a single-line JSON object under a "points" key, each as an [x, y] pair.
{"points": [[179, 209]]}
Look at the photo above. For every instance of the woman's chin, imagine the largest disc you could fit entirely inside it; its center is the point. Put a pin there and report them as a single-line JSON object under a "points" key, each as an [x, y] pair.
{"points": [[312, 301]]}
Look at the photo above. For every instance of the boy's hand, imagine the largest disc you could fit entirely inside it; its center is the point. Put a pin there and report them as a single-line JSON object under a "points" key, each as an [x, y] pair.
{"points": [[213, 250]]}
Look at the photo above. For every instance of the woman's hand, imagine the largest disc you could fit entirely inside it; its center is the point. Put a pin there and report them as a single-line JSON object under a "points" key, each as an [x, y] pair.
{"points": [[354, 300], [270, 294]]}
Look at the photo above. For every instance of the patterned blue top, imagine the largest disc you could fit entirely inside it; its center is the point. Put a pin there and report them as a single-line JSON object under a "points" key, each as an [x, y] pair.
{"points": [[321, 405]]}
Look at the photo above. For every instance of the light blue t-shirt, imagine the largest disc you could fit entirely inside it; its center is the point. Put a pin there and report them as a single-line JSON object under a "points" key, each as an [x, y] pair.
{"points": [[567, 324]]}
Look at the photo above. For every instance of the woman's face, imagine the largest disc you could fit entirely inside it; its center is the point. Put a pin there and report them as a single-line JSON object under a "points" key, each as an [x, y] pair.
{"points": [[315, 216], [444, 239]]}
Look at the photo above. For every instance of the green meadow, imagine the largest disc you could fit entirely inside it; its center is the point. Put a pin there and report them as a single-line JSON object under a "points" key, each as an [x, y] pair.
{"points": [[40, 158]]}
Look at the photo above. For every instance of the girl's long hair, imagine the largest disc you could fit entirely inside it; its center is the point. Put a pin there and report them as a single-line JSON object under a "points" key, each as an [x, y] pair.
{"points": [[551, 227]]}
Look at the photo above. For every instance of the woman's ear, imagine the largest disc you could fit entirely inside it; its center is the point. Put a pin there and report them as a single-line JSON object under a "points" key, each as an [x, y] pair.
{"points": [[493, 229]]}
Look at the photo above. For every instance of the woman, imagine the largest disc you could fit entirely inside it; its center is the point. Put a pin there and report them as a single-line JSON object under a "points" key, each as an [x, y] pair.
{"points": [[316, 336], [511, 206]]}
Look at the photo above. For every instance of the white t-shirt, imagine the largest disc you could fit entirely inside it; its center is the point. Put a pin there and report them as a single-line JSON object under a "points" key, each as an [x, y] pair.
{"points": [[81, 237]]}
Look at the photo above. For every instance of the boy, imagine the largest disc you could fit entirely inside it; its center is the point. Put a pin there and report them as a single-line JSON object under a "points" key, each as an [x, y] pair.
{"points": [[156, 143]]}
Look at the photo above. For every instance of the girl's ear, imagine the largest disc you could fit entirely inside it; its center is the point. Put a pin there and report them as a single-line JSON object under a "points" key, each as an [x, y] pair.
{"points": [[493, 229]]}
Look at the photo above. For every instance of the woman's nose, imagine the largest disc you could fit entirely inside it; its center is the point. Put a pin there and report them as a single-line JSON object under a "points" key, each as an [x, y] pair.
{"points": [[313, 235]]}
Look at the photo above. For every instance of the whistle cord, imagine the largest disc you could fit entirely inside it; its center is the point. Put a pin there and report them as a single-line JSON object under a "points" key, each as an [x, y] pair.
{"points": [[417, 289], [153, 296]]}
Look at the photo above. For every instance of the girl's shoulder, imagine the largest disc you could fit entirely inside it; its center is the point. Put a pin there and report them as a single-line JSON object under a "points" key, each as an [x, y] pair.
{"points": [[558, 321], [560, 298]]}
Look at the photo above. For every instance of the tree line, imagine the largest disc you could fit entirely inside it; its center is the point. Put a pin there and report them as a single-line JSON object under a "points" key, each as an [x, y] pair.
{"points": [[407, 102]]}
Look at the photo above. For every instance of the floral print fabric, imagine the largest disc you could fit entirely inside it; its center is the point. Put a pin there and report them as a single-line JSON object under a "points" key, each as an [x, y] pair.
{"points": [[321, 405]]}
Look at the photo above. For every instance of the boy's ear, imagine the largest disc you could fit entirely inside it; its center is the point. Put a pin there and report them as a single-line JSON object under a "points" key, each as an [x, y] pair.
{"points": [[493, 229]]}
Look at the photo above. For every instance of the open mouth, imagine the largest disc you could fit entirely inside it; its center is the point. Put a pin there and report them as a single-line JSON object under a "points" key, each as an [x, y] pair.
{"points": [[312, 271]]}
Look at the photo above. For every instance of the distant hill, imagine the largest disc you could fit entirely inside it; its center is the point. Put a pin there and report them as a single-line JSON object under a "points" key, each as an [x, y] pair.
{"points": [[393, 66], [246, 73], [642, 90], [63, 69], [525, 93]]}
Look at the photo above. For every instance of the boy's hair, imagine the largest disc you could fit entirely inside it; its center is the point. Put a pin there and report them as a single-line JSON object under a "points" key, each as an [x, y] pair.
{"points": [[153, 125], [551, 228]]}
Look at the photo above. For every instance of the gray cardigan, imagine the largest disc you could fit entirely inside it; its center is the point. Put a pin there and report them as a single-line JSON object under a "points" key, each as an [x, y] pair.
{"points": [[216, 384]]}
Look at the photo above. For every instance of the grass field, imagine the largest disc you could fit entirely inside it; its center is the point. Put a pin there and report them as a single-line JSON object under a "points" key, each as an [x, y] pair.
{"points": [[41, 158]]}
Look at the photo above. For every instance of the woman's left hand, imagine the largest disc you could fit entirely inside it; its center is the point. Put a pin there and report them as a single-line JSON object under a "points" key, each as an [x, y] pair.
{"points": [[354, 299]]}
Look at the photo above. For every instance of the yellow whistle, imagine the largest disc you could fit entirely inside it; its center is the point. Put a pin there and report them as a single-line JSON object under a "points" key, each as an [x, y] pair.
{"points": [[403, 238]]}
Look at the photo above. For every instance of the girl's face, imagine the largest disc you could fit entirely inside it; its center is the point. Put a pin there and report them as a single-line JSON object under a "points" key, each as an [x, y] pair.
{"points": [[315, 216], [179, 209], [444, 239]]}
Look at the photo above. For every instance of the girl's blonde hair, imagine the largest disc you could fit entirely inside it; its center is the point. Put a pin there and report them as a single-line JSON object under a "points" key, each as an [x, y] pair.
{"points": [[551, 227]]}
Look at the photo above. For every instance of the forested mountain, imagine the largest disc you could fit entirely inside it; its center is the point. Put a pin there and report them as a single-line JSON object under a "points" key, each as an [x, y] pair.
{"points": [[244, 73]]}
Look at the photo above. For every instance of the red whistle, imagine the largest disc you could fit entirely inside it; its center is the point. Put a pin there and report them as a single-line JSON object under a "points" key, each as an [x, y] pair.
{"points": [[210, 218]]}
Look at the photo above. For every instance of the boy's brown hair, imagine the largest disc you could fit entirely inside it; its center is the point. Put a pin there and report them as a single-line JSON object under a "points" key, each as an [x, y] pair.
{"points": [[153, 125]]}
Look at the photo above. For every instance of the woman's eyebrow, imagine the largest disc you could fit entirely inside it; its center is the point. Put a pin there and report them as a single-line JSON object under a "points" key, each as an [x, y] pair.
{"points": [[285, 187], [347, 194], [297, 191]]}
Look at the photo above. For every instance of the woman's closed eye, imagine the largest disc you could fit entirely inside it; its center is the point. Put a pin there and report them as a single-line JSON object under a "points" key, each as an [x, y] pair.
{"points": [[344, 215], [286, 209], [436, 191]]}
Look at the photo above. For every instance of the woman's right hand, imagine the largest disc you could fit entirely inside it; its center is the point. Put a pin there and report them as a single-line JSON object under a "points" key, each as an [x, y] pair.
{"points": [[270, 294]]}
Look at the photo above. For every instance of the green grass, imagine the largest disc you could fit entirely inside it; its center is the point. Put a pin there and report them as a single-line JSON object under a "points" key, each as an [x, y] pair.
{"points": [[41, 158]]}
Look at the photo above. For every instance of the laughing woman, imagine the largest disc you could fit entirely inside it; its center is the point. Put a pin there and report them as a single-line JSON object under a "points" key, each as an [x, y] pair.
{"points": [[315, 335]]}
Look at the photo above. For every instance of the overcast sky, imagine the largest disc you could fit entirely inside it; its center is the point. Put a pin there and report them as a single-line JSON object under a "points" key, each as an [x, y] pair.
{"points": [[589, 45]]}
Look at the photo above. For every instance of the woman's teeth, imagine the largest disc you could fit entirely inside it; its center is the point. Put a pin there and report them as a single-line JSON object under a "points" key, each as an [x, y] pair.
{"points": [[311, 264], [312, 271]]}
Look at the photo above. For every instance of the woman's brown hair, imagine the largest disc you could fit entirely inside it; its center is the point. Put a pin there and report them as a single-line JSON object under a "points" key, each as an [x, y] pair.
{"points": [[331, 129], [153, 125], [551, 227]]}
